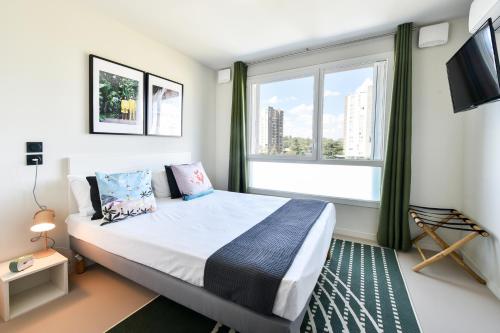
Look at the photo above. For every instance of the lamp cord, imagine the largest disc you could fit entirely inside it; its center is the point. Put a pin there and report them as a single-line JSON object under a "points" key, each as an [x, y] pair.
{"points": [[43, 207], [40, 236], [34, 186]]}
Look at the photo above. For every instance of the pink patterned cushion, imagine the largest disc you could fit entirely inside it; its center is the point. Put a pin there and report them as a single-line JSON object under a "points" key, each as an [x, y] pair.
{"points": [[192, 180]]}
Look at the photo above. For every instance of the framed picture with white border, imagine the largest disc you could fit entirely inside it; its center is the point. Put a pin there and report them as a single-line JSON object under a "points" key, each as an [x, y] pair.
{"points": [[164, 106], [116, 94]]}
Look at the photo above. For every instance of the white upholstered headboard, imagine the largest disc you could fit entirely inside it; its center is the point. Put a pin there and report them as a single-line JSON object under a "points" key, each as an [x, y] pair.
{"points": [[88, 165]]}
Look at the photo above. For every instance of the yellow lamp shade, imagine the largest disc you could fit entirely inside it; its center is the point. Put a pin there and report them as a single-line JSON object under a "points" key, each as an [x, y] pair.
{"points": [[43, 220]]}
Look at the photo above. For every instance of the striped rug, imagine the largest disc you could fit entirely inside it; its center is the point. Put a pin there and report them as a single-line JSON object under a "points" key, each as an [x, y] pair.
{"points": [[360, 289]]}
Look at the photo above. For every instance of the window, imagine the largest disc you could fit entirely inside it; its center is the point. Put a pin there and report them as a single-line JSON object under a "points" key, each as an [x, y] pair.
{"points": [[319, 130], [283, 117]]}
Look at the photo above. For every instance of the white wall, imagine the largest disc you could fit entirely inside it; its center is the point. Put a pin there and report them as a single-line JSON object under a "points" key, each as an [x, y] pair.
{"points": [[437, 150], [482, 188], [44, 94], [437, 138], [223, 101], [456, 157]]}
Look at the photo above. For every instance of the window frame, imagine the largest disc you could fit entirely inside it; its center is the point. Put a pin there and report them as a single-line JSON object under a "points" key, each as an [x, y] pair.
{"points": [[318, 72], [379, 117], [276, 77]]}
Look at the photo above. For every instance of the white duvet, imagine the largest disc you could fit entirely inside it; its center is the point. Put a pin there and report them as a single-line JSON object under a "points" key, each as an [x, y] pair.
{"points": [[178, 238]]}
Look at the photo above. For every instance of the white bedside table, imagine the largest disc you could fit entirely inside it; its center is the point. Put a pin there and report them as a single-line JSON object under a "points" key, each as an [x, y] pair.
{"points": [[43, 282]]}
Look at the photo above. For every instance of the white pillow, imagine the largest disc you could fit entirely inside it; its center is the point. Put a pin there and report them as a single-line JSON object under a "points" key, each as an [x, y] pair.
{"points": [[160, 184], [81, 192]]}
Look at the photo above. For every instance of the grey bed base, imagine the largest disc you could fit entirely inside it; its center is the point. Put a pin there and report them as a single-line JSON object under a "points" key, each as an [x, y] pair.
{"points": [[192, 297]]}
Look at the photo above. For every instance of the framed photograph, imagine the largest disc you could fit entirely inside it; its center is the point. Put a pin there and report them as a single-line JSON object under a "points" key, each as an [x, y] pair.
{"points": [[164, 106], [116, 98]]}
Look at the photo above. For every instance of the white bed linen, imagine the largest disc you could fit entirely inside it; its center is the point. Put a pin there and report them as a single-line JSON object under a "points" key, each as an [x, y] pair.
{"points": [[179, 237]]}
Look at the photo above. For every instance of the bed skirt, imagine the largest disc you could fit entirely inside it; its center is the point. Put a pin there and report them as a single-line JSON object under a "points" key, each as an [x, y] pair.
{"points": [[195, 298]]}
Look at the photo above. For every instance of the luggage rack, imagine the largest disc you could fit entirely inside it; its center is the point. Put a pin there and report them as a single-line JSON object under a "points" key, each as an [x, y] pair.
{"points": [[431, 219]]}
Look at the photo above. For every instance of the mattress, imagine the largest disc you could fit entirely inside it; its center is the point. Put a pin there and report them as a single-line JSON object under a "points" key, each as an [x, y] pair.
{"points": [[179, 237]]}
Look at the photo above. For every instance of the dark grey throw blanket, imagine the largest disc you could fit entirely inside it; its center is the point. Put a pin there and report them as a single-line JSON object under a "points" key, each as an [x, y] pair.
{"points": [[249, 269]]}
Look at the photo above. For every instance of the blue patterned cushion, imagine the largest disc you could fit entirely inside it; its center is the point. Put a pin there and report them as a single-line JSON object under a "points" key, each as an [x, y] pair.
{"points": [[125, 194]]}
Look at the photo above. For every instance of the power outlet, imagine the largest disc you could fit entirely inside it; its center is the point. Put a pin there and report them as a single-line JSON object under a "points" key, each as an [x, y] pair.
{"points": [[32, 159], [34, 147]]}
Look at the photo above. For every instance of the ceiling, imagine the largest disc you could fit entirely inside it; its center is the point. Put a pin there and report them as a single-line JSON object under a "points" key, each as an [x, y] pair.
{"points": [[219, 32]]}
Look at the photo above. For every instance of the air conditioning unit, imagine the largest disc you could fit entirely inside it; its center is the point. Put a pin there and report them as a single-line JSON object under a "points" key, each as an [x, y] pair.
{"points": [[481, 11], [224, 75], [433, 35]]}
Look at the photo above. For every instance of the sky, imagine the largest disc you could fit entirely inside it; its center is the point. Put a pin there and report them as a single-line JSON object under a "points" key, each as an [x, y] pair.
{"points": [[296, 98]]}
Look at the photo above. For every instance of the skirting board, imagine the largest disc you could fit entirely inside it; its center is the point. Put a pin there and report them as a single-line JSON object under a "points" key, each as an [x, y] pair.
{"points": [[492, 286], [426, 244], [354, 234]]}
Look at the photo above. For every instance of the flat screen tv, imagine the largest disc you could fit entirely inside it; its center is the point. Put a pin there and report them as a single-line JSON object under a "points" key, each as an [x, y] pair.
{"points": [[473, 72]]}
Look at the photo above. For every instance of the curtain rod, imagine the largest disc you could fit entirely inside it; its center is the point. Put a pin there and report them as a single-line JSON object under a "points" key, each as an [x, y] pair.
{"points": [[324, 47]]}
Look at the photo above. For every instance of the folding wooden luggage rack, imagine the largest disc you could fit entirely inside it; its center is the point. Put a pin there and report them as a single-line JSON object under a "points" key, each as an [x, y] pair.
{"points": [[430, 219]]}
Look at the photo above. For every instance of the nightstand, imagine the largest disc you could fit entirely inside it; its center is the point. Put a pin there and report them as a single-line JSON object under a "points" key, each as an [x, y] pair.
{"points": [[41, 283]]}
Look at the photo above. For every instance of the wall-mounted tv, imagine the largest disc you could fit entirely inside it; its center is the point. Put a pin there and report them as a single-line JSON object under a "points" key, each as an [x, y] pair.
{"points": [[473, 72]]}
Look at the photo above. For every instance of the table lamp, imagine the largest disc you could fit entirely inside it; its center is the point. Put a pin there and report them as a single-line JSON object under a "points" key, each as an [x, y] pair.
{"points": [[43, 221]]}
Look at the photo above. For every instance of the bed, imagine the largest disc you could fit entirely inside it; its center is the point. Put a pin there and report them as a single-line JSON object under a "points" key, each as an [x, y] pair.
{"points": [[166, 251]]}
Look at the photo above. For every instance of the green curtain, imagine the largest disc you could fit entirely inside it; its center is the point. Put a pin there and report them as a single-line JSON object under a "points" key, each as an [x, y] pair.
{"points": [[238, 179], [394, 228]]}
